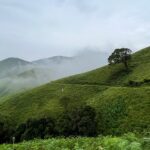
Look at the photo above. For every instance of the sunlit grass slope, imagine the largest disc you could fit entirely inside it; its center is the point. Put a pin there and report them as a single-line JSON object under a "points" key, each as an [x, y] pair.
{"points": [[116, 75], [105, 89]]}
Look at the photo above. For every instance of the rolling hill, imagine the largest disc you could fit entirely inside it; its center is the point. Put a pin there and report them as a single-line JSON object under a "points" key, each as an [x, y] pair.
{"points": [[115, 75], [122, 106]]}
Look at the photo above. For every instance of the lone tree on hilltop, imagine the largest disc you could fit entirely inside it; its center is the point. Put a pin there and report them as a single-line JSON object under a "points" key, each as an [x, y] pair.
{"points": [[122, 55]]}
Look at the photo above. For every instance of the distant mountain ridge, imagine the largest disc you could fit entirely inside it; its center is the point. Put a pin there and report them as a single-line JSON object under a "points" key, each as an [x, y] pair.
{"points": [[14, 60], [8, 63], [18, 75], [54, 59], [11, 66]]}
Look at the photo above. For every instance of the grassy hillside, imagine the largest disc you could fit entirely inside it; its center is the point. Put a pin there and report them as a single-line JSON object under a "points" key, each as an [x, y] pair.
{"points": [[45, 100], [116, 75], [121, 107]]}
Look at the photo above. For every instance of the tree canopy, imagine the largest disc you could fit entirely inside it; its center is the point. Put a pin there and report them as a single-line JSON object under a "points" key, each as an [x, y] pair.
{"points": [[122, 55]]}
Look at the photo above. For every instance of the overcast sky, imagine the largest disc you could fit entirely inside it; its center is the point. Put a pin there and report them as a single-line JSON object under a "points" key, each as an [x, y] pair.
{"points": [[33, 29]]}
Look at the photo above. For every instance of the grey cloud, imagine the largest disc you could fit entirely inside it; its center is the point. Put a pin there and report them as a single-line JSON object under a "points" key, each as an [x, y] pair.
{"points": [[35, 29]]}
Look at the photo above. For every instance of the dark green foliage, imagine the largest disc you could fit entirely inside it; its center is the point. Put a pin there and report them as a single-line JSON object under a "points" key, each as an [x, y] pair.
{"points": [[34, 128], [138, 83], [79, 121], [64, 125], [122, 55], [134, 83], [20, 131], [6, 130], [146, 80]]}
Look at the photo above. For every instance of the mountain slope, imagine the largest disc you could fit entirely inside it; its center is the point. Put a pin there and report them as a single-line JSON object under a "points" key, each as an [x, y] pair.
{"points": [[12, 62], [12, 66], [104, 89], [115, 74], [24, 81], [18, 75], [53, 60]]}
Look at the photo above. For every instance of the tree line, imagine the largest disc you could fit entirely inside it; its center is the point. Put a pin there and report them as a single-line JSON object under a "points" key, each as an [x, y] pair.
{"points": [[80, 121], [109, 119]]}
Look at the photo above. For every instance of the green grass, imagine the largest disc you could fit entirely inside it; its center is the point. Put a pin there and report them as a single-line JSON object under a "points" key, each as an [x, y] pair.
{"points": [[45, 100], [104, 88], [126, 142]]}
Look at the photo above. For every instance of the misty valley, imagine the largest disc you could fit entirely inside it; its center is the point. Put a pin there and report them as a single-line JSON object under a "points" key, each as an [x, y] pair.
{"points": [[20, 75]]}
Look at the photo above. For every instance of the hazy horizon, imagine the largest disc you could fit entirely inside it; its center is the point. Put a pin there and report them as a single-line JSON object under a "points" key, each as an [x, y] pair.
{"points": [[82, 53]]}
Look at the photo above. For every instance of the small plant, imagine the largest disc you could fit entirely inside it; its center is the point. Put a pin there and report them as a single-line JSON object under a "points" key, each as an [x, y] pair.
{"points": [[13, 140]]}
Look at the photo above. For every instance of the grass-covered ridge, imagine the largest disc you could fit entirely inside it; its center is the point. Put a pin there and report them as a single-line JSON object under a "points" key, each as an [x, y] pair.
{"points": [[123, 108], [116, 75]]}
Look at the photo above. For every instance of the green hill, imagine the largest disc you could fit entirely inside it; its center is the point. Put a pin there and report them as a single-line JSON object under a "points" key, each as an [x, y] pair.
{"points": [[116, 75], [119, 105]]}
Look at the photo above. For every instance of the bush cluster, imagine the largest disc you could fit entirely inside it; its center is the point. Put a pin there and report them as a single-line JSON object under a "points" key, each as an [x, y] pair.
{"points": [[138, 83], [79, 121]]}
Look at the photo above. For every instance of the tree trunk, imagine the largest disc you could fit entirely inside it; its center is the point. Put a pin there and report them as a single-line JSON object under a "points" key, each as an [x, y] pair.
{"points": [[126, 65]]}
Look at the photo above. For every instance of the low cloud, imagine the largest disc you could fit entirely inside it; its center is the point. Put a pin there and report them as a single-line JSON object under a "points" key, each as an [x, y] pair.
{"points": [[39, 72], [37, 29]]}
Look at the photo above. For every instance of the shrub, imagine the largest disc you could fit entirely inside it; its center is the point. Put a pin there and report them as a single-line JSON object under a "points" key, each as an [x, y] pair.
{"points": [[79, 121], [35, 128], [134, 83], [146, 80], [6, 129]]}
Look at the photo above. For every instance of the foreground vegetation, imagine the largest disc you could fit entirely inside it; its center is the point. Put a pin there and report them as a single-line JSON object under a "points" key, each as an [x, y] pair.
{"points": [[77, 122], [126, 142]]}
